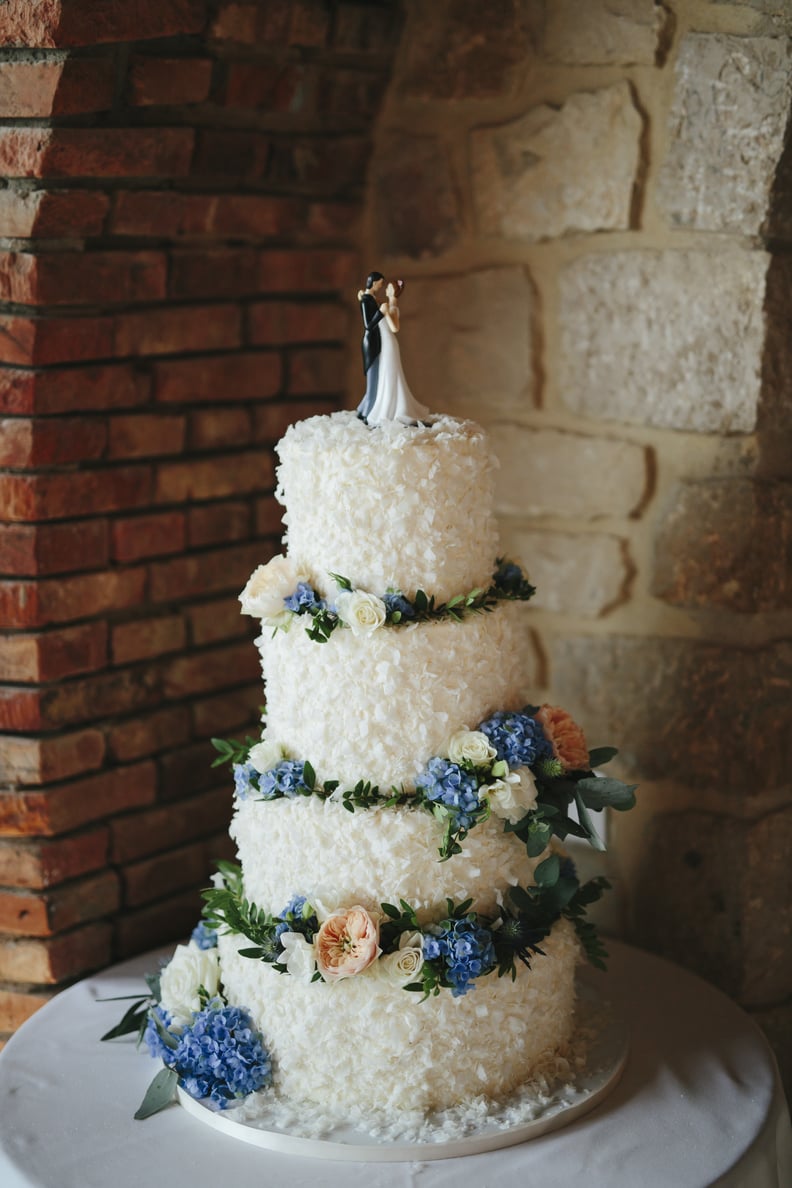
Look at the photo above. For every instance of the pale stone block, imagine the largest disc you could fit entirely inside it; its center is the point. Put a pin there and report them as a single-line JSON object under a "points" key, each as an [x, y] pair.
{"points": [[672, 339], [556, 170], [574, 573], [466, 341], [704, 715], [602, 31], [726, 125], [547, 473]]}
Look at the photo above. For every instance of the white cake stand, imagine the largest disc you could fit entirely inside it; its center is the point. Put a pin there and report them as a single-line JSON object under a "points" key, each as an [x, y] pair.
{"points": [[519, 1118]]}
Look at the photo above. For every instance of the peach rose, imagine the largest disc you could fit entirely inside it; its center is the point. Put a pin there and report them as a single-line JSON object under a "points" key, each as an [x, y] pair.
{"points": [[568, 740], [346, 944]]}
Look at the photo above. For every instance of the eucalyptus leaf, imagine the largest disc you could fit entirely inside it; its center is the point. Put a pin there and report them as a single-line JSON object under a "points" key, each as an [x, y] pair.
{"points": [[585, 820], [547, 872], [160, 1093], [601, 755], [607, 793]]}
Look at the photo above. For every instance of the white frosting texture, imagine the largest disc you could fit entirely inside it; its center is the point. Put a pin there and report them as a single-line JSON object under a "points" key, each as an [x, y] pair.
{"points": [[318, 849], [378, 707], [394, 506], [363, 1040]]}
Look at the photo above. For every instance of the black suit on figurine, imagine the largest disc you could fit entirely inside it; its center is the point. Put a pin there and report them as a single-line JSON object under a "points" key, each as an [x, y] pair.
{"points": [[372, 345]]}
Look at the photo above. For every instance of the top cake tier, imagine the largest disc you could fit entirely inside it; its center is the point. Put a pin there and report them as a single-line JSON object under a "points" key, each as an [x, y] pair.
{"points": [[397, 506]]}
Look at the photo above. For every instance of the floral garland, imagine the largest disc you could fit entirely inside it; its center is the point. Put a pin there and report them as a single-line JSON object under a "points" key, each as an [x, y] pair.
{"points": [[277, 593], [213, 1051], [451, 953], [527, 767]]}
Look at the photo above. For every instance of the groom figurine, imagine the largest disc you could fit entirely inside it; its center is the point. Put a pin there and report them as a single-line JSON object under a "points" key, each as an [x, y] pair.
{"points": [[372, 341]]}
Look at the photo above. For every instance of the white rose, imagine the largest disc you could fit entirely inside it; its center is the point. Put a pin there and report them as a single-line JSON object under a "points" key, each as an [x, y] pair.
{"points": [[405, 964], [299, 957], [362, 612], [473, 746], [513, 796], [265, 755], [266, 589], [188, 969]]}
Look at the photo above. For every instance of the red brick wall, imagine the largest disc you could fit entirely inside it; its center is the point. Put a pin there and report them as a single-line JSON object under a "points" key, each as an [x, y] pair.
{"points": [[178, 225]]}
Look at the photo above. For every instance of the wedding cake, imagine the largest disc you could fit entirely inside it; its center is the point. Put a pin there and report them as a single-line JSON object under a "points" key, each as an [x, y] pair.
{"points": [[402, 929]]}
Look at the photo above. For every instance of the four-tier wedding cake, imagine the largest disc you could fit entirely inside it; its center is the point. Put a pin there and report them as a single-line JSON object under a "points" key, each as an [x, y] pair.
{"points": [[403, 926]]}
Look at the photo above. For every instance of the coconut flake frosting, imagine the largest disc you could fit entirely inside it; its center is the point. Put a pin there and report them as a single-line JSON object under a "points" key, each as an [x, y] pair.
{"points": [[404, 506], [378, 707]]}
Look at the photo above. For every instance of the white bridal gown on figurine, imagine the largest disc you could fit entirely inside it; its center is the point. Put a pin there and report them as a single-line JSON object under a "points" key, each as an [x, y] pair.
{"points": [[395, 401]]}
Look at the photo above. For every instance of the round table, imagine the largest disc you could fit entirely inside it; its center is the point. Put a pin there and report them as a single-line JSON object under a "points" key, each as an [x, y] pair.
{"points": [[700, 1103]]}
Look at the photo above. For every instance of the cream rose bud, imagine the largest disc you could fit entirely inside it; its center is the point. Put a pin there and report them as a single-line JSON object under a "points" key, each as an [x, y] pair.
{"points": [[266, 589], [188, 969], [473, 746], [265, 755], [362, 612], [300, 956], [513, 796]]}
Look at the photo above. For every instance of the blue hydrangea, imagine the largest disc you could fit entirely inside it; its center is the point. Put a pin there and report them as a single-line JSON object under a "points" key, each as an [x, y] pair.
{"points": [[446, 783], [508, 577], [466, 950], [293, 919], [245, 780], [219, 1055], [153, 1034], [303, 600], [517, 738], [287, 778], [204, 936], [397, 602]]}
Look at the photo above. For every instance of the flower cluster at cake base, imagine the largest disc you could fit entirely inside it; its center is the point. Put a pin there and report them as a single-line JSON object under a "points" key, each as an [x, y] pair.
{"points": [[529, 767], [208, 1048], [277, 593], [312, 942]]}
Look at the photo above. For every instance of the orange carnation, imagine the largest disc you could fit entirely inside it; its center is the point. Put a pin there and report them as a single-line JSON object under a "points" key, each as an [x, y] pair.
{"points": [[346, 944], [566, 737]]}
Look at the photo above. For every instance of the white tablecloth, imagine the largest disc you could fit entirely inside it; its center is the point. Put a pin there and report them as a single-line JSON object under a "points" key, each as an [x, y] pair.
{"points": [[699, 1104]]}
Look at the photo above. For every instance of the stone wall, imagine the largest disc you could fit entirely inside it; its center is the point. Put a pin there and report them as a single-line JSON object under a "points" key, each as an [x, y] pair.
{"points": [[591, 204]]}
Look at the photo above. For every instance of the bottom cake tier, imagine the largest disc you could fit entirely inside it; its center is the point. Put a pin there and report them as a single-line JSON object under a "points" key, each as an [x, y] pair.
{"points": [[363, 1041]]}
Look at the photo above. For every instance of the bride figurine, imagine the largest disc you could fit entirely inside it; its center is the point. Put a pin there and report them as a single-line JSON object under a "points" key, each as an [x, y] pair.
{"points": [[393, 400]]}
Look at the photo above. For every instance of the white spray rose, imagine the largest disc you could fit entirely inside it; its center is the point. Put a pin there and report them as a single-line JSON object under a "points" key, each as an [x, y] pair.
{"points": [[473, 746], [405, 964], [513, 796], [361, 612], [299, 956], [266, 589], [188, 969], [265, 755]]}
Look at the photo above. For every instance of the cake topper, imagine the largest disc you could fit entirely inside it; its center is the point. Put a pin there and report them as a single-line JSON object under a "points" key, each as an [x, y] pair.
{"points": [[387, 396]]}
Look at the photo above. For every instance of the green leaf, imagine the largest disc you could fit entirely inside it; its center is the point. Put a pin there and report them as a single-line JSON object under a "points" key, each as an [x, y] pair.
{"points": [[420, 602], [390, 910], [153, 983], [606, 792], [309, 775], [342, 582], [601, 755], [130, 1021], [585, 820], [547, 872], [160, 1093]]}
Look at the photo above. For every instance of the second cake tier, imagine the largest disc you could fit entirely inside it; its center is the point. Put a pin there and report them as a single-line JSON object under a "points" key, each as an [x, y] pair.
{"points": [[378, 707]]}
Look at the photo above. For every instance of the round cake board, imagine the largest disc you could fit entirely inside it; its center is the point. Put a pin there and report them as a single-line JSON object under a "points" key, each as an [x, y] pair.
{"points": [[607, 1056]]}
